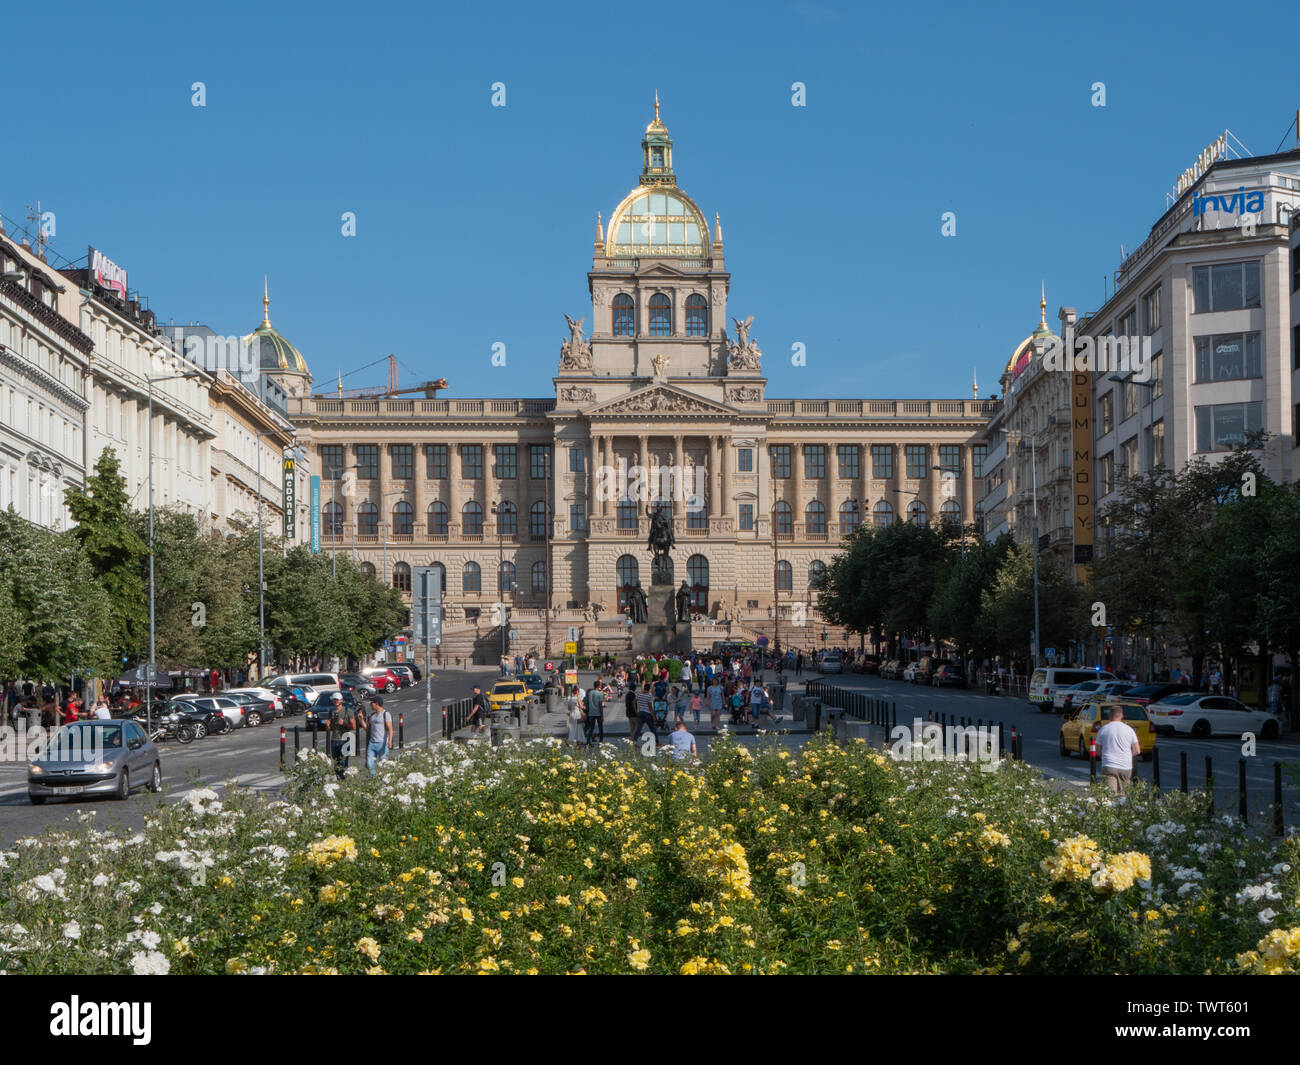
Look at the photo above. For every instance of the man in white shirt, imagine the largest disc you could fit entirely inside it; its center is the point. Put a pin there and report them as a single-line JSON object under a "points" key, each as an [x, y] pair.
{"points": [[1117, 743], [101, 711], [683, 743]]}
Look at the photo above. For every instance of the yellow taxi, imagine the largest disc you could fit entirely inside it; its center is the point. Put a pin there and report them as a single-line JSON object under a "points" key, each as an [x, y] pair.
{"points": [[507, 694], [1079, 729]]}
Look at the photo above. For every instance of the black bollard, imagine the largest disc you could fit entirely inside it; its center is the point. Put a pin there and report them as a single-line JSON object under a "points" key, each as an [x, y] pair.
{"points": [[1209, 780], [282, 748], [1092, 760], [1155, 766], [1182, 772], [297, 744], [401, 731], [1241, 789], [1279, 827]]}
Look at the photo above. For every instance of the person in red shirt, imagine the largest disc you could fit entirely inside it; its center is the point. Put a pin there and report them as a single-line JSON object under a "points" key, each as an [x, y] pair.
{"points": [[70, 713]]}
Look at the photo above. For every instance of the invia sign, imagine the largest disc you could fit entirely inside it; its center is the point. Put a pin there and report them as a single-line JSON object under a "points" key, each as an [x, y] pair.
{"points": [[1240, 201]]}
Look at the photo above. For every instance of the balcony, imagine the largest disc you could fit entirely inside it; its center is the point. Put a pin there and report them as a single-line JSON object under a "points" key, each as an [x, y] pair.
{"points": [[882, 409]]}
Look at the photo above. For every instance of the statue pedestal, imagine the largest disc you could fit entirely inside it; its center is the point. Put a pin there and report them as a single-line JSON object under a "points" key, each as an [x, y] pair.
{"points": [[661, 633]]}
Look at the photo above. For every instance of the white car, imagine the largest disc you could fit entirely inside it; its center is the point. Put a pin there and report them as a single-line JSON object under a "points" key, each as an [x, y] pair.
{"points": [[832, 664], [1210, 715]]}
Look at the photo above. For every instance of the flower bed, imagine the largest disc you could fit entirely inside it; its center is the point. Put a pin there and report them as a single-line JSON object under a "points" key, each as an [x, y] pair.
{"points": [[532, 859]]}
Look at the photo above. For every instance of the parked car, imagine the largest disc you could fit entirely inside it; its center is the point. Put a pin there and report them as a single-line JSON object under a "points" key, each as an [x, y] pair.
{"points": [[1153, 693], [94, 758], [866, 664], [265, 694], [1066, 695], [925, 667], [948, 676], [357, 683], [832, 663], [382, 679], [233, 710], [295, 699], [533, 682], [1081, 725], [320, 711], [311, 680], [1209, 715], [1045, 680], [256, 711], [404, 673], [892, 670], [206, 721]]}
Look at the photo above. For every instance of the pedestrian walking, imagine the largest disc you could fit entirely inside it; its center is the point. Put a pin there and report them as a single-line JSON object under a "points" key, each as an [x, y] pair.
{"points": [[577, 717], [645, 714], [341, 724], [595, 714], [697, 701], [715, 703], [798, 664], [479, 710], [1117, 744], [379, 728]]}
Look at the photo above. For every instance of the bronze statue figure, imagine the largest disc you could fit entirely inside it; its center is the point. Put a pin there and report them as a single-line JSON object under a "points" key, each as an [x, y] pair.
{"points": [[684, 604]]}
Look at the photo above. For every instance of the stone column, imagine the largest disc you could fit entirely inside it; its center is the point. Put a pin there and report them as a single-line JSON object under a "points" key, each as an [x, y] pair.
{"points": [[864, 457], [796, 468], [724, 470], [715, 476], [420, 527], [453, 486]]}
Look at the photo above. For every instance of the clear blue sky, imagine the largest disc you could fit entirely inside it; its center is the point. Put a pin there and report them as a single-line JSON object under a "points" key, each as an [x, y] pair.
{"points": [[474, 223]]}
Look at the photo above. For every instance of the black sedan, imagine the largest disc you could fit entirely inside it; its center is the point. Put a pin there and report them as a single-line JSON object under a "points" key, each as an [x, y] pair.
{"points": [[319, 714], [206, 721], [947, 676], [294, 700]]}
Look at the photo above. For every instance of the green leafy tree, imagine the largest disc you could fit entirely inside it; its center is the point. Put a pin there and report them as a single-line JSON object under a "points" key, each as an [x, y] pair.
{"points": [[1008, 606], [117, 556], [955, 609]]}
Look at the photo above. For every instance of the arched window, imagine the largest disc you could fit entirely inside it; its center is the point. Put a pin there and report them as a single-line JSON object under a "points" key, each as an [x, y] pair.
{"points": [[506, 577], [442, 576], [626, 514], [697, 572], [814, 517], [883, 513], [402, 577], [661, 316], [979, 519], [849, 517], [437, 519], [471, 579], [697, 316], [624, 315], [816, 574], [784, 524], [368, 568], [537, 520], [367, 520], [629, 575], [916, 512], [507, 519], [539, 578], [471, 519], [784, 576], [333, 520], [403, 518], [950, 513]]}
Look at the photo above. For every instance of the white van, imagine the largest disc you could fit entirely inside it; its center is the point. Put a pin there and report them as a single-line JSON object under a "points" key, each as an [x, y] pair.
{"points": [[309, 681], [1046, 679]]}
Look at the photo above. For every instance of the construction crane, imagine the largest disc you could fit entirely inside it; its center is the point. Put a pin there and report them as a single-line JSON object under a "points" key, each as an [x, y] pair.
{"points": [[429, 388]]}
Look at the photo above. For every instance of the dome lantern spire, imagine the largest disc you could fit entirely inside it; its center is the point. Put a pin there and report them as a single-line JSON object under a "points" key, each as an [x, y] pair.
{"points": [[657, 152], [266, 302]]}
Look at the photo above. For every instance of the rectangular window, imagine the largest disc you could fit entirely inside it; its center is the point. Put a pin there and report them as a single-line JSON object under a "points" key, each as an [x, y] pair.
{"points": [[916, 461], [882, 461], [814, 460], [1107, 414], [1127, 325], [577, 460], [1130, 392], [506, 467], [1132, 464], [781, 460], [746, 517], [697, 518], [950, 458], [1227, 357], [435, 461], [1158, 444], [1295, 345], [1295, 269], [403, 462], [539, 461], [331, 461], [1226, 287], [745, 459], [979, 453], [1151, 311], [1157, 375], [1107, 473], [578, 517], [1223, 426], [849, 462], [471, 462], [367, 462]]}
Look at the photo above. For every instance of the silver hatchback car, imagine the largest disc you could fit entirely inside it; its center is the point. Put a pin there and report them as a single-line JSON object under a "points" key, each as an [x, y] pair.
{"points": [[94, 758]]}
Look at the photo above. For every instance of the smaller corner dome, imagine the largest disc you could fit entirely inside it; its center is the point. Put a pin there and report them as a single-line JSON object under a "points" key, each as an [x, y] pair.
{"points": [[271, 350]]}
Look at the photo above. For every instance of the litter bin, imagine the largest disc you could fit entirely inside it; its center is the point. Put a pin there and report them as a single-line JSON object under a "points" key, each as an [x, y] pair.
{"points": [[499, 719], [535, 710], [778, 697], [812, 713], [552, 699]]}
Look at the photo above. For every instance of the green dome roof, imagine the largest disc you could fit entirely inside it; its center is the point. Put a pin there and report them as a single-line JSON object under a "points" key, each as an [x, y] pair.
{"points": [[273, 351]]}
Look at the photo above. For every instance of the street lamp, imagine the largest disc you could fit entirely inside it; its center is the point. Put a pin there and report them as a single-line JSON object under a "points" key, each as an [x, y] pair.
{"points": [[153, 631], [400, 492], [498, 508], [261, 581], [956, 476], [1128, 379]]}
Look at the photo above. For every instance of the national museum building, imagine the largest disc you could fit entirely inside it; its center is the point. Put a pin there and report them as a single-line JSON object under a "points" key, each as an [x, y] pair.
{"points": [[536, 502]]}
